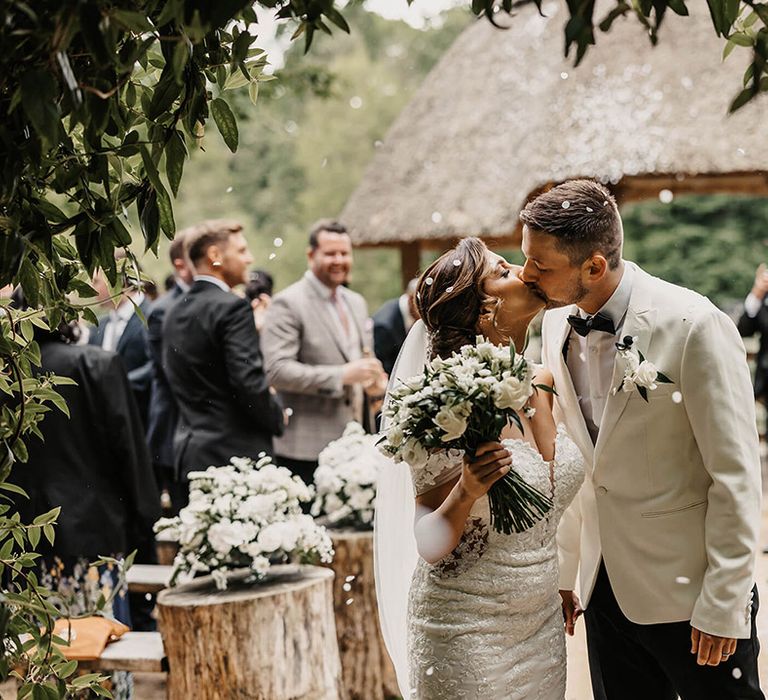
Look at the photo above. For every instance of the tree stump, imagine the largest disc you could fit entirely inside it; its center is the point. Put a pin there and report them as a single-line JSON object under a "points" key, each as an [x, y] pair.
{"points": [[273, 640], [367, 673]]}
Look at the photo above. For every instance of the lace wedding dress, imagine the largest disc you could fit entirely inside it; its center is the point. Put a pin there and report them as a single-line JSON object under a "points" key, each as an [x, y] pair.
{"points": [[485, 621]]}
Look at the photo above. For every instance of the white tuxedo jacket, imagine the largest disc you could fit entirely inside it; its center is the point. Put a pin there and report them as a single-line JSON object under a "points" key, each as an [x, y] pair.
{"points": [[671, 500]]}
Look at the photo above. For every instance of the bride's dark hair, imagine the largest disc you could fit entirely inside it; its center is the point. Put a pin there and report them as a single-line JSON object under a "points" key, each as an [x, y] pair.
{"points": [[450, 296]]}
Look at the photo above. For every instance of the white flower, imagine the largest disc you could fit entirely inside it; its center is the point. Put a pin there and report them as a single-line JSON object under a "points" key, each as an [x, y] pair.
{"points": [[225, 535], [453, 421], [632, 360], [628, 384], [512, 392], [645, 375], [414, 454]]}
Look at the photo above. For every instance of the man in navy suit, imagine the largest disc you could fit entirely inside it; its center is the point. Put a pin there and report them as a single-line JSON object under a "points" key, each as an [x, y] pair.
{"points": [[123, 331], [391, 324], [163, 410]]}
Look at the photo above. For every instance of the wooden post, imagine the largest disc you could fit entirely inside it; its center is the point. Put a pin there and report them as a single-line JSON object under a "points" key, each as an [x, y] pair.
{"points": [[367, 672], [410, 261], [274, 640]]}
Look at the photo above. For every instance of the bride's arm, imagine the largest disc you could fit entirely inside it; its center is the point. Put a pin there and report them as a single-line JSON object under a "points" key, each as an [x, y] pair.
{"points": [[442, 512]]}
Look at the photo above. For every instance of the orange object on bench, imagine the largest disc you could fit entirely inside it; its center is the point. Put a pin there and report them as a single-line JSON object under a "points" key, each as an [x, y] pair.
{"points": [[89, 636]]}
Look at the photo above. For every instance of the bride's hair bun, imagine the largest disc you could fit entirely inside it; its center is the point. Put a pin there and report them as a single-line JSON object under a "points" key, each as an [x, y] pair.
{"points": [[450, 296]]}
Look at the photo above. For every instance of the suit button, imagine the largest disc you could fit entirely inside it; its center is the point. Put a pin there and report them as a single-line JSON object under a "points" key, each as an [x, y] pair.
{"points": [[602, 490]]}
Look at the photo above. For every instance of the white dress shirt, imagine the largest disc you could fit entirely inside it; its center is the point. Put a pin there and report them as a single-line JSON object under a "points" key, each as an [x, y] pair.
{"points": [[752, 305], [590, 358], [118, 320]]}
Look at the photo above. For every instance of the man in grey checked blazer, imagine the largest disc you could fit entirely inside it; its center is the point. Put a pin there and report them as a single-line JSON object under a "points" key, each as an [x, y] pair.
{"points": [[317, 345]]}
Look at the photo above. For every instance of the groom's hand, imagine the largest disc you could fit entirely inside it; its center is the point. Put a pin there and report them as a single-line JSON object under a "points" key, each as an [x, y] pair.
{"points": [[710, 649], [571, 610]]}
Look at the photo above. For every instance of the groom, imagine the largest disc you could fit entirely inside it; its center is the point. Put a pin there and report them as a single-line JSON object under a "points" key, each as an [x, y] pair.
{"points": [[663, 534]]}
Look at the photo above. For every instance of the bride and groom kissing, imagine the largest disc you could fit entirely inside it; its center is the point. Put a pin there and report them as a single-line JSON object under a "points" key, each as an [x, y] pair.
{"points": [[648, 450]]}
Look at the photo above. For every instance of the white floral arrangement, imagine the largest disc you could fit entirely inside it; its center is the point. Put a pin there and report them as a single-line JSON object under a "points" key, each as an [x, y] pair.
{"points": [[345, 479], [459, 403], [244, 515], [639, 373]]}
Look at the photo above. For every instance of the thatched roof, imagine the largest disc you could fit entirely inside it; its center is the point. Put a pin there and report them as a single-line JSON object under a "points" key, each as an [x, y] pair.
{"points": [[504, 115]]}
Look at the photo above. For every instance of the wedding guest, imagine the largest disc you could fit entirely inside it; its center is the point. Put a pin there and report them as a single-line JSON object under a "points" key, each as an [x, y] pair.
{"points": [[102, 479], [391, 324], [258, 291], [123, 331], [163, 411], [317, 348], [754, 319], [212, 359]]}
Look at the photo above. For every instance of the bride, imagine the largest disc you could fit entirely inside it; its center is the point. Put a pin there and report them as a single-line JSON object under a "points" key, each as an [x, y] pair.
{"points": [[468, 612]]}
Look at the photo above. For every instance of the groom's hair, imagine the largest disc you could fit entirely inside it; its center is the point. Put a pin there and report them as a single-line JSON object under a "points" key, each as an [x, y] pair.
{"points": [[582, 215]]}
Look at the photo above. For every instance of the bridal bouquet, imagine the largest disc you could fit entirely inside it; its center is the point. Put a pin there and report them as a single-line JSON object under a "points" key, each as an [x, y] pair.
{"points": [[244, 514], [345, 479], [459, 403]]}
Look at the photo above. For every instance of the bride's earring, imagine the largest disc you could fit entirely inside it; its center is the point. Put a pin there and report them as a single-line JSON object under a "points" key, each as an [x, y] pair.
{"points": [[216, 263]]}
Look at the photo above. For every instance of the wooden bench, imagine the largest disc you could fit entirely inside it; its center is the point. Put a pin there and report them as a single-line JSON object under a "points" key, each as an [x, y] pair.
{"points": [[148, 578], [134, 651]]}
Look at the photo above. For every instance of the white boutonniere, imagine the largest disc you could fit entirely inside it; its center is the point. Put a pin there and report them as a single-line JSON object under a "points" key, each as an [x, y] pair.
{"points": [[639, 373]]}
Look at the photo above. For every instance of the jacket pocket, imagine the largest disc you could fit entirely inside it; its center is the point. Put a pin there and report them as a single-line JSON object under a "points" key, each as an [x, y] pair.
{"points": [[670, 511]]}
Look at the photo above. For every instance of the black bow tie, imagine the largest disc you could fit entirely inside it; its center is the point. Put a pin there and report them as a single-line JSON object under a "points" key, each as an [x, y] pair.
{"points": [[598, 322]]}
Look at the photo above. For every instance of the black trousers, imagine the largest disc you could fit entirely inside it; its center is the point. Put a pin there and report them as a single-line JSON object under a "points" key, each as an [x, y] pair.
{"points": [[628, 661]]}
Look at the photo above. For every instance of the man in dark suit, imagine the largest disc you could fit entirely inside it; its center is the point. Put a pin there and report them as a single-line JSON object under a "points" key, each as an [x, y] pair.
{"points": [[93, 463], [754, 319], [212, 357], [391, 324], [123, 331], [163, 411]]}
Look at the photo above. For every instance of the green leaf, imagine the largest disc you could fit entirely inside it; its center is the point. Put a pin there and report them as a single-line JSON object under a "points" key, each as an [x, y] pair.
{"points": [[38, 97], [67, 669], [49, 532], [740, 39], [741, 99], [137, 21], [165, 94], [6, 486], [175, 155], [226, 122], [34, 536], [48, 517], [643, 392], [253, 91]]}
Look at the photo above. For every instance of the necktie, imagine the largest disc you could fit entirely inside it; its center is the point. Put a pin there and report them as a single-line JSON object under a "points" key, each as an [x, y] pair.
{"points": [[598, 322], [341, 311]]}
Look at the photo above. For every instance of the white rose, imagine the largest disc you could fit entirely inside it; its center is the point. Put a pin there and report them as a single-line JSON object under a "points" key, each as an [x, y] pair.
{"points": [[395, 435], [628, 385], [511, 393], [633, 361], [453, 421], [646, 374], [414, 454]]}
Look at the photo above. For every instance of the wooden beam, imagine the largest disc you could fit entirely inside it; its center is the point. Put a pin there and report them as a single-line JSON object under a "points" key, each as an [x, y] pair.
{"points": [[410, 261]]}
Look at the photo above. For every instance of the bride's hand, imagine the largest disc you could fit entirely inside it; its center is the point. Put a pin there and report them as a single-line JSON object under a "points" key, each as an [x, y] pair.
{"points": [[571, 610], [490, 463]]}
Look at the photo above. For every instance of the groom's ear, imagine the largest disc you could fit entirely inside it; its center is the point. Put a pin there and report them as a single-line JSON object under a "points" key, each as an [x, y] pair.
{"points": [[596, 267]]}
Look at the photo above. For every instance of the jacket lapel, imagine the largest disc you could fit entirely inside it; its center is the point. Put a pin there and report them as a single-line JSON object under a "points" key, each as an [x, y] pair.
{"points": [[566, 393], [324, 317], [639, 323]]}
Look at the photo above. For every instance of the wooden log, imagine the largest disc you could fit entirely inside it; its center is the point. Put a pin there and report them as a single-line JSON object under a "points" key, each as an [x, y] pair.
{"points": [[367, 672], [273, 640]]}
